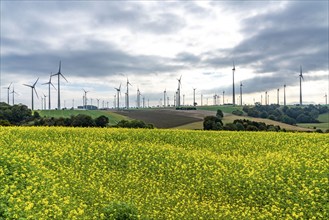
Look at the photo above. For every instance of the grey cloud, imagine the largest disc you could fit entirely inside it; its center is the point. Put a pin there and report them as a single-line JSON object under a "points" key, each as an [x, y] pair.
{"points": [[278, 43]]}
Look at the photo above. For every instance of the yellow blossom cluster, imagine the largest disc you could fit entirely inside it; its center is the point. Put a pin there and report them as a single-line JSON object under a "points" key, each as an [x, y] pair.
{"points": [[75, 173]]}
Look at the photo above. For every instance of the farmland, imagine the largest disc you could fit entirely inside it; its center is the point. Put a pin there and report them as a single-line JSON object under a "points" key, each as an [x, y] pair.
{"points": [[113, 117], [79, 173]]}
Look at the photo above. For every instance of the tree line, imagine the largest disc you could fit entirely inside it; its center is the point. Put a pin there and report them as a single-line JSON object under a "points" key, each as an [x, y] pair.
{"points": [[17, 115], [292, 115], [215, 123]]}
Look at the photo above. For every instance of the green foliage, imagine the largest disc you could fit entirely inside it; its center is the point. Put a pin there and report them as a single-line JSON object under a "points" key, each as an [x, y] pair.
{"points": [[16, 114], [101, 121], [237, 112], [219, 114], [79, 120], [212, 123], [4, 122], [133, 124], [293, 115], [120, 211]]}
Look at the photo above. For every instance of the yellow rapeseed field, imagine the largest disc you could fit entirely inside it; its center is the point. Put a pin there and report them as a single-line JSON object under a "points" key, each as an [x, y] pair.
{"points": [[77, 173]]}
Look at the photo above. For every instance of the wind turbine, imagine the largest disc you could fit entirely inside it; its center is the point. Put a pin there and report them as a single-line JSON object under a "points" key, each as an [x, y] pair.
{"points": [[284, 95], [13, 92], [85, 99], [8, 88], [223, 97], [300, 85], [138, 98], [241, 93], [59, 90], [33, 89], [326, 96], [266, 97], [233, 70], [164, 98], [97, 103], [45, 102], [118, 95], [127, 101], [278, 96], [194, 103], [178, 91], [49, 83]]}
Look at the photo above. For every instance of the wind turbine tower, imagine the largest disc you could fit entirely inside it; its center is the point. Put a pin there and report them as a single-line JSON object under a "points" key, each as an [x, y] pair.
{"points": [[284, 95], [138, 98], [233, 70], [13, 92], [33, 90], [265, 97], [118, 96], [178, 91], [8, 88], [241, 93], [45, 102], [326, 99], [278, 96], [49, 83], [300, 85], [127, 101], [194, 103], [164, 98], [85, 99], [223, 97], [59, 74]]}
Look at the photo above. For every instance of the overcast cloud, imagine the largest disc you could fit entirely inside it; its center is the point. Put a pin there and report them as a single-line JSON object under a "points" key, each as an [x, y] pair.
{"points": [[101, 43]]}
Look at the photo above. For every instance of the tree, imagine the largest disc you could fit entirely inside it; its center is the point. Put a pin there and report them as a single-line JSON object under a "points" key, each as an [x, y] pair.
{"points": [[219, 114], [102, 121], [82, 121], [212, 123]]}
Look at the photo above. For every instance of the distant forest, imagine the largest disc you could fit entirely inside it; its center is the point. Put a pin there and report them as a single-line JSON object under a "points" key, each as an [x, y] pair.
{"points": [[288, 115], [21, 115]]}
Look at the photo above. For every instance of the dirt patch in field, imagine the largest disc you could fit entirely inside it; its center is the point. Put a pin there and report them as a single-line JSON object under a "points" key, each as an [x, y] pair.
{"points": [[164, 118]]}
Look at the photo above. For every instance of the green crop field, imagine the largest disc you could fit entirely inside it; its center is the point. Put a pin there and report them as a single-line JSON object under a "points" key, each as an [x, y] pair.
{"points": [[224, 108], [113, 117], [94, 173]]}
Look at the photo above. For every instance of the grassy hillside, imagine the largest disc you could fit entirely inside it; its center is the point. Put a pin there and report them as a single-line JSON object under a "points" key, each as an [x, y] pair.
{"points": [[75, 173], [323, 125], [113, 117], [224, 108], [324, 118]]}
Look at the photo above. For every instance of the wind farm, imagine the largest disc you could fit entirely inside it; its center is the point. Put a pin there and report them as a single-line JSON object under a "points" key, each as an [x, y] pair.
{"points": [[164, 109]]}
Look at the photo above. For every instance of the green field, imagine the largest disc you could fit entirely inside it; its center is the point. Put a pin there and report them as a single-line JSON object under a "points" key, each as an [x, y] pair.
{"points": [[113, 117], [323, 125], [324, 117], [100, 173], [224, 108]]}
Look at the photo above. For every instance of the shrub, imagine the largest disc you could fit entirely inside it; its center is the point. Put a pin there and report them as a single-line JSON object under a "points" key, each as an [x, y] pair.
{"points": [[212, 123], [237, 112], [219, 114], [101, 121]]}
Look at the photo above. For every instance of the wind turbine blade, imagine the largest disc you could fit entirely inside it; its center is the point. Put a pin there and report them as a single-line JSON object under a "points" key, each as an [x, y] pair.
{"points": [[35, 82], [64, 77], [60, 65], [10, 85], [35, 92], [53, 85], [27, 85]]}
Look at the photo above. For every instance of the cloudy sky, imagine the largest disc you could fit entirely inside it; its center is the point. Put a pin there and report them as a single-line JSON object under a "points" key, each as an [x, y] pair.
{"points": [[101, 43]]}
